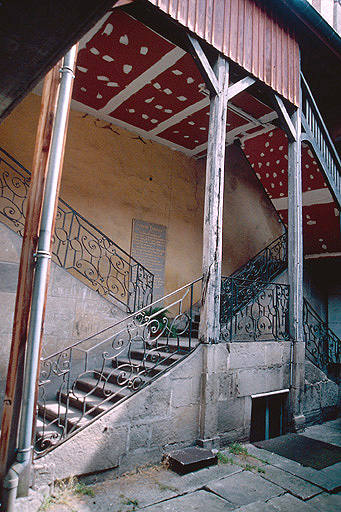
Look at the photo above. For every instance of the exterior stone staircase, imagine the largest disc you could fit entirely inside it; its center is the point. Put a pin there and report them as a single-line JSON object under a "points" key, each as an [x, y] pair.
{"points": [[74, 391]]}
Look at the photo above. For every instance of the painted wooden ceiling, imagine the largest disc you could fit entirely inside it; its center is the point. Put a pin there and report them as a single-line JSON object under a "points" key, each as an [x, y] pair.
{"points": [[134, 78]]}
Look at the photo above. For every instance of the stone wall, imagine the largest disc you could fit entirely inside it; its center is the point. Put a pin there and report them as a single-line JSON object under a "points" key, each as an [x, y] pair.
{"points": [[322, 397]]}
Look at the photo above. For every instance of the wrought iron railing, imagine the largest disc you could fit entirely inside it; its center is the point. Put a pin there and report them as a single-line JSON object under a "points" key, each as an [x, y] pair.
{"points": [[79, 247], [268, 263], [323, 347], [262, 268], [254, 310], [320, 140], [87, 379]]}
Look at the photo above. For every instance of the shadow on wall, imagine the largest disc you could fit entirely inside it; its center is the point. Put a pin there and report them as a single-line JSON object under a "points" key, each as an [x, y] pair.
{"points": [[73, 310]]}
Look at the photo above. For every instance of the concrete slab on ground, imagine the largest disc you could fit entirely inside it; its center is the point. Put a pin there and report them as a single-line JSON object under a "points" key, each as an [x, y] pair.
{"points": [[324, 501], [284, 503], [296, 486], [195, 502], [330, 433], [244, 488]]}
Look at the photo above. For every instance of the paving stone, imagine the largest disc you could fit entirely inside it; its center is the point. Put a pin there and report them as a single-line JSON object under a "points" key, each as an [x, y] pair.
{"points": [[296, 486], [194, 502], [327, 502], [284, 503], [244, 488]]}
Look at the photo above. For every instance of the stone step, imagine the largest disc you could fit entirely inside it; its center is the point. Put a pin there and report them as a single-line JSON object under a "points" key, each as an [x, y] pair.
{"points": [[68, 417], [155, 354], [90, 404], [146, 368], [100, 388]]}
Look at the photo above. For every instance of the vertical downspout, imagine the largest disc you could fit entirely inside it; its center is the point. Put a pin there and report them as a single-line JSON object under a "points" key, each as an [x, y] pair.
{"points": [[43, 255]]}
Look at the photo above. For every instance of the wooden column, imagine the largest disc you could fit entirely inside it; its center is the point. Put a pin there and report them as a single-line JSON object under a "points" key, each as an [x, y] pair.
{"points": [[295, 273], [295, 231], [12, 400], [209, 330]]}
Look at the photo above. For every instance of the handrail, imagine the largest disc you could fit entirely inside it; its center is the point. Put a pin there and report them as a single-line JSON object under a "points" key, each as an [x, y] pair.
{"points": [[124, 320], [254, 310], [78, 245], [278, 245], [320, 118], [323, 346], [318, 136]]}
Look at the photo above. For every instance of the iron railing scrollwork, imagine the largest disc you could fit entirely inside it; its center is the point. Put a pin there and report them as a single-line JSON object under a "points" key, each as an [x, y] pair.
{"points": [[254, 311], [87, 379], [323, 347], [78, 246], [262, 268]]}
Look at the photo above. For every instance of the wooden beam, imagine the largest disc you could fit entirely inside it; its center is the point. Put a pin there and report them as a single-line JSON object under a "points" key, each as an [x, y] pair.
{"points": [[284, 117], [240, 86], [12, 399], [203, 64]]}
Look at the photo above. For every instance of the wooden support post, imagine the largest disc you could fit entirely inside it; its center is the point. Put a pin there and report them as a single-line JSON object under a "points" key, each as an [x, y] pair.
{"points": [[209, 328], [295, 272], [295, 232], [11, 408], [209, 331]]}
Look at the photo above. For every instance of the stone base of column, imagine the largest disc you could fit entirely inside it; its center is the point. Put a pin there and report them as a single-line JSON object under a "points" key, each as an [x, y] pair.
{"points": [[298, 423], [209, 444]]}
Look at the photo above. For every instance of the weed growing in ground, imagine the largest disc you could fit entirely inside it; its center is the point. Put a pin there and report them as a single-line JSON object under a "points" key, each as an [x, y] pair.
{"points": [[238, 449], [64, 492], [83, 490], [164, 487], [129, 501], [224, 459]]}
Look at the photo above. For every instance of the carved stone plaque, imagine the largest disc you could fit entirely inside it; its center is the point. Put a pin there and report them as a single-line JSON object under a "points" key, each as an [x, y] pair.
{"points": [[148, 247]]}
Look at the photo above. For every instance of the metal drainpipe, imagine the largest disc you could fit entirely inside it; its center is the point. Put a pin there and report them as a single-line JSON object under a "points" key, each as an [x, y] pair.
{"points": [[43, 255]]}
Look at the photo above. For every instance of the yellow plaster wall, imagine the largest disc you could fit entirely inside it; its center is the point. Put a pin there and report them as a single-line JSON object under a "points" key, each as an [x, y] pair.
{"points": [[112, 176], [249, 220]]}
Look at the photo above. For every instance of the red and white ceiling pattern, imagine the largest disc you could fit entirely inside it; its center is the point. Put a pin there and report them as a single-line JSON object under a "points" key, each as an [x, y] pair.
{"points": [[134, 78]]}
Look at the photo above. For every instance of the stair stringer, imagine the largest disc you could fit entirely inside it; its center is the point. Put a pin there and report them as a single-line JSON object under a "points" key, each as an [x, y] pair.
{"points": [[162, 415]]}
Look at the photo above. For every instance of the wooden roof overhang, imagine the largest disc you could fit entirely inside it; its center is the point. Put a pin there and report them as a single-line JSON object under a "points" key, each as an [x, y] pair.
{"points": [[133, 70], [249, 32]]}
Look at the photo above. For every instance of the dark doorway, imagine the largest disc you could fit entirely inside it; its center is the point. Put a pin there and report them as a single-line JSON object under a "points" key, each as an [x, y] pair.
{"points": [[268, 416]]}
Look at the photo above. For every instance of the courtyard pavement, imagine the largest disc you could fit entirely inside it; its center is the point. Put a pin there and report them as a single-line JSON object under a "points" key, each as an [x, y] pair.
{"points": [[258, 481]]}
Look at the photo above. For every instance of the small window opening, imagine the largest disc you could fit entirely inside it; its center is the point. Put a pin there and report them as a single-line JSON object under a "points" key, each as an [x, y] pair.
{"points": [[268, 416]]}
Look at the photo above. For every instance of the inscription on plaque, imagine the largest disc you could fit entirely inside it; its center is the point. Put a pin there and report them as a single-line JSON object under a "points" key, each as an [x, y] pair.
{"points": [[148, 247]]}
